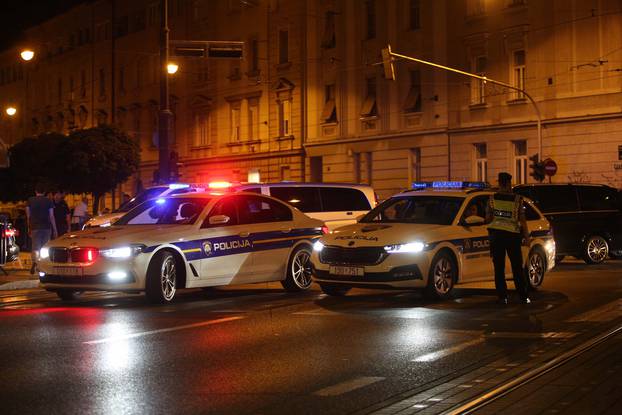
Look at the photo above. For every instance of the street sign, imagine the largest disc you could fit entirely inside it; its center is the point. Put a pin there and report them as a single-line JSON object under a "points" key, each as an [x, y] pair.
{"points": [[550, 167], [207, 49]]}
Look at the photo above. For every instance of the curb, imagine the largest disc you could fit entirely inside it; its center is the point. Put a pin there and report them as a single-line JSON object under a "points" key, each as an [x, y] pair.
{"points": [[19, 285]]}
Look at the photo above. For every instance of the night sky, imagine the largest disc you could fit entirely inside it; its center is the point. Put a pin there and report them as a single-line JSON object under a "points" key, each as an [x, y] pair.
{"points": [[18, 15]]}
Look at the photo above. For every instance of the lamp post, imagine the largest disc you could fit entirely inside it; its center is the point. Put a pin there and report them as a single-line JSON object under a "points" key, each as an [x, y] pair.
{"points": [[388, 56], [164, 124]]}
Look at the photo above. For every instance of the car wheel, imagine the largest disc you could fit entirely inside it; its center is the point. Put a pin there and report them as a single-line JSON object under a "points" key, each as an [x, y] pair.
{"points": [[298, 276], [334, 290], [67, 295], [536, 267], [161, 284], [441, 277], [596, 250]]}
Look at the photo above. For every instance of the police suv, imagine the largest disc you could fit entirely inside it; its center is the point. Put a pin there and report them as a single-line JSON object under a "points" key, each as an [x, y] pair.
{"points": [[432, 238], [185, 241]]}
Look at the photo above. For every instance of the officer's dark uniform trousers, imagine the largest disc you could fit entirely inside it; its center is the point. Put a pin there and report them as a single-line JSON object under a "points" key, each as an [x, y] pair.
{"points": [[505, 237]]}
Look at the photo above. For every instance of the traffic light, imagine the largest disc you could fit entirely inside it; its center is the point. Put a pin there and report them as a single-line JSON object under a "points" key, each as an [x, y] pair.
{"points": [[537, 168]]}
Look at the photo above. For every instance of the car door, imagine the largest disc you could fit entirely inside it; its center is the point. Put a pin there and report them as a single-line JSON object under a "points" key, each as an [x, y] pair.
{"points": [[560, 206], [476, 261], [227, 247], [269, 225]]}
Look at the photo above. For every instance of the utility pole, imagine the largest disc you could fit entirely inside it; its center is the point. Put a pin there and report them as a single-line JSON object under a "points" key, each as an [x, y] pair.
{"points": [[165, 112], [388, 58]]}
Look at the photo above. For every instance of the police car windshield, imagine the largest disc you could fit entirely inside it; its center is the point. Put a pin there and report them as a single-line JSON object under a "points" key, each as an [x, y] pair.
{"points": [[142, 197], [165, 211], [435, 210]]}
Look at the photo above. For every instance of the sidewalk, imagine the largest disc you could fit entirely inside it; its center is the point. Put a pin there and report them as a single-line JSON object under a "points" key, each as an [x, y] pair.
{"points": [[19, 277]]}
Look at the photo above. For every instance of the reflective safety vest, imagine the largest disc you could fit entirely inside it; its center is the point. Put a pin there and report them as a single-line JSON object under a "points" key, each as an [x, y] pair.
{"points": [[505, 210]]}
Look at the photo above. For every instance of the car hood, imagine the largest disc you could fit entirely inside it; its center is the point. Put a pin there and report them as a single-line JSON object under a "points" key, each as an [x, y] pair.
{"points": [[121, 235], [380, 234]]}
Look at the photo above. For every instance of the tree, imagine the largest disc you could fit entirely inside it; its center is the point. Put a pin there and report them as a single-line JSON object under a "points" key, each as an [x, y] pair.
{"points": [[101, 158]]}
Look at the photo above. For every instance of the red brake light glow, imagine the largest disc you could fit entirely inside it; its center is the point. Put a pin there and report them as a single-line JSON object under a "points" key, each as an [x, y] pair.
{"points": [[7, 233]]}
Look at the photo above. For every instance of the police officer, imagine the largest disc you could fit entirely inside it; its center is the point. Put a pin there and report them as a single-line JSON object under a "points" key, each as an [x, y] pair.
{"points": [[508, 231]]}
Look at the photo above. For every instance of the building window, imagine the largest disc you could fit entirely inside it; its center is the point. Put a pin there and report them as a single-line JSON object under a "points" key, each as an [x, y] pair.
{"points": [[414, 165], [413, 100], [328, 38], [414, 14], [370, 19], [520, 161], [253, 119], [102, 82], [518, 73], [235, 122], [478, 92], [476, 7], [253, 63], [481, 162], [316, 167], [285, 117], [202, 131], [370, 108], [283, 46], [329, 112]]}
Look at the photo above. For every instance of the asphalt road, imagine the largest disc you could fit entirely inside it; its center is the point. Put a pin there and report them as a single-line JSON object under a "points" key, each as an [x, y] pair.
{"points": [[257, 350]]}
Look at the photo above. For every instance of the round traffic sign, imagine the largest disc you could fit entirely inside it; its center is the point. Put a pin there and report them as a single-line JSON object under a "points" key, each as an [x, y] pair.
{"points": [[550, 167]]}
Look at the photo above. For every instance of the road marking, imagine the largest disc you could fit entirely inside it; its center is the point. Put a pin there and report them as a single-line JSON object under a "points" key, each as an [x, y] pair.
{"points": [[148, 333], [603, 313], [347, 386], [430, 357]]}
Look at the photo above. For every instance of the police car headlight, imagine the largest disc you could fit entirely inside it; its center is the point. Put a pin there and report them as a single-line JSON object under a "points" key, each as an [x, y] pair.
{"points": [[121, 252], [44, 253], [550, 247], [408, 248], [318, 246]]}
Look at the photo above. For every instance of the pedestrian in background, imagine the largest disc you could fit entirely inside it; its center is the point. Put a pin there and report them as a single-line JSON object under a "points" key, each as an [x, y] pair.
{"points": [[41, 223], [62, 214], [80, 214], [508, 232]]}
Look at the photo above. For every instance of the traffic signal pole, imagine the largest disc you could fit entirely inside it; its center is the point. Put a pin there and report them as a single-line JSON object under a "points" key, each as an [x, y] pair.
{"points": [[164, 123], [388, 58]]}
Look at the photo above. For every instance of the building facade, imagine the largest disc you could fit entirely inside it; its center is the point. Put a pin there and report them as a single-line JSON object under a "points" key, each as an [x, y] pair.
{"points": [[309, 100]]}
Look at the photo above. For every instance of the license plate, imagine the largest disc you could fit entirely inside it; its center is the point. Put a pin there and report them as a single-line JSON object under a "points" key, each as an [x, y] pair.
{"points": [[345, 270], [70, 271]]}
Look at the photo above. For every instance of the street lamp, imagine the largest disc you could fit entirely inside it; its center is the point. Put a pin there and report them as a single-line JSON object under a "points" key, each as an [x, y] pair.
{"points": [[27, 54], [172, 68], [11, 111]]}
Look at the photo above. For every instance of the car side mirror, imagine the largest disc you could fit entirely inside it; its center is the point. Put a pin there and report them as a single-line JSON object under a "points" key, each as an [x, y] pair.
{"points": [[473, 221], [218, 219]]}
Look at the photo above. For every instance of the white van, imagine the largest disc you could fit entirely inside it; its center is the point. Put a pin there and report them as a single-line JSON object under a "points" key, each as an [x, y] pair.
{"points": [[337, 204]]}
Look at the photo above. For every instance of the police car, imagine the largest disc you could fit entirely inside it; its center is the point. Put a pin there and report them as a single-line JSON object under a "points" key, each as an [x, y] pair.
{"points": [[432, 238], [185, 241]]}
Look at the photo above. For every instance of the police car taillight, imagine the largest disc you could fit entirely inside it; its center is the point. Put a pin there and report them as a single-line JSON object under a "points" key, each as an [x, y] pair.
{"points": [[325, 230]]}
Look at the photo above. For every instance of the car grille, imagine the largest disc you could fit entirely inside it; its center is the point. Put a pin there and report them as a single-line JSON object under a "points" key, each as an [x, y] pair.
{"points": [[68, 255], [360, 256]]}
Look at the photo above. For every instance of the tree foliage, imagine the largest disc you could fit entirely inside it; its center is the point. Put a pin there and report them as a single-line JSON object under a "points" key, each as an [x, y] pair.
{"points": [[93, 160]]}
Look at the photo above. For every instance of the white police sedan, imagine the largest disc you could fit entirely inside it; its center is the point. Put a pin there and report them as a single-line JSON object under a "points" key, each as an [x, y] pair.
{"points": [[185, 241], [431, 238]]}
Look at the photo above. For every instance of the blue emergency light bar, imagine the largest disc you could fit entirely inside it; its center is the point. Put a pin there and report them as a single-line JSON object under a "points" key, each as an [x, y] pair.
{"points": [[449, 185]]}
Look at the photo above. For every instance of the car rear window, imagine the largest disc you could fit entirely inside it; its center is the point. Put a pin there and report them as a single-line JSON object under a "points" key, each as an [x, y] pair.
{"points": [[597, 198], [555, 198], [338, 199], [307, 199]]}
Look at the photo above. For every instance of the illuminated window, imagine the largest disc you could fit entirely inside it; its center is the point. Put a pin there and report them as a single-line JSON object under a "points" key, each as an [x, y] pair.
{"points": [[520, 161], [235, 122], [329, 112], [478, 92], [370, 108], [518, 73], [285, 117], [413, 100], [202, 130], [481, 162]]}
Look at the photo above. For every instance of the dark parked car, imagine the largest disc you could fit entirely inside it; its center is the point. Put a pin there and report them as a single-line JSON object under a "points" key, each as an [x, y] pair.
{"points": [[586, 218]]}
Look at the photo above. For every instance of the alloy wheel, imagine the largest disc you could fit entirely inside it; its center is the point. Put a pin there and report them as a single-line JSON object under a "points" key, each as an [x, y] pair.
{"points": [[168, 278], [597, 249], [443, 276], [535, 269], [301, 269]]}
